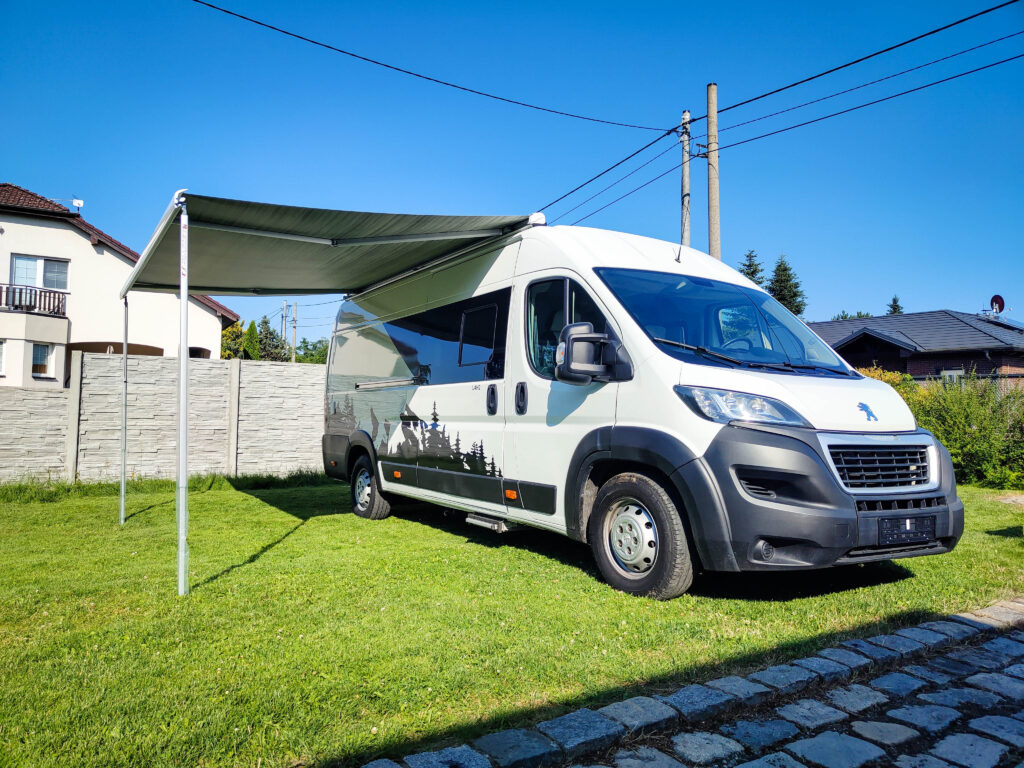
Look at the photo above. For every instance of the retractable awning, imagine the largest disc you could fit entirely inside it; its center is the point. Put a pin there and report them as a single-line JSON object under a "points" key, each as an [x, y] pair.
{"points": [[214, 245], [245, 248]]}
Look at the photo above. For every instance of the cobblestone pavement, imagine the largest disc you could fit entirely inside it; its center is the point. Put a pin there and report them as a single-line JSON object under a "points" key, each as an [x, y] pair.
{"points": [[946, 693]]}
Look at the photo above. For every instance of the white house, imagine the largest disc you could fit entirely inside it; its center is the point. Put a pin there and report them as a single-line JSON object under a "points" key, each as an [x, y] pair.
{"points": [[61, 279]]}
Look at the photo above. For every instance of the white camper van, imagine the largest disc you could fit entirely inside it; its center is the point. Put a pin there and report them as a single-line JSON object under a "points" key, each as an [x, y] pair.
{"points": [[637, 396]]}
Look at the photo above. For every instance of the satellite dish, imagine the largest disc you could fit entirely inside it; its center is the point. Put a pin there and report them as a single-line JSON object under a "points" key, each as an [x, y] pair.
{"points": [[77, 202], [997, 304]]}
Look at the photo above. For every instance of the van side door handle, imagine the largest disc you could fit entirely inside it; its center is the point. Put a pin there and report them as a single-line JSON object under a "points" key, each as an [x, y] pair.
{"points": [[492, 399], [521, 399]]}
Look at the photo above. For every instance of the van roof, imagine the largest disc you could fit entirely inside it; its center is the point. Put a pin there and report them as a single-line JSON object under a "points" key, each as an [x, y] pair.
{"points": [[585, 248]]}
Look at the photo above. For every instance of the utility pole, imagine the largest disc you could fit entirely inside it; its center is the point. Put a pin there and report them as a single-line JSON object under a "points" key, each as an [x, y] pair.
{"points": [[714, 221], [684, 235], [295, 316], [284, 318]]}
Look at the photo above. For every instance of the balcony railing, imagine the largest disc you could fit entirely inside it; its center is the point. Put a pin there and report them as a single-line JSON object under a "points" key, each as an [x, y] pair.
{"points": [[26, 298]]}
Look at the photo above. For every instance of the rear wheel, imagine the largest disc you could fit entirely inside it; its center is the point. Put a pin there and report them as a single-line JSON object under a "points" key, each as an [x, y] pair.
{"points": [[367, 500], [638, 539]]}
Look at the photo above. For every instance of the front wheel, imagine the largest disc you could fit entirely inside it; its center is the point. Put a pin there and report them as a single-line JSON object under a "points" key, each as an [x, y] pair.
{"points": [[638, 539], [367, 500]]}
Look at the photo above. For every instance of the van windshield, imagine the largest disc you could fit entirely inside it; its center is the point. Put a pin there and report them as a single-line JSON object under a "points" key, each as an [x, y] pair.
{"points": [[716, 323]]}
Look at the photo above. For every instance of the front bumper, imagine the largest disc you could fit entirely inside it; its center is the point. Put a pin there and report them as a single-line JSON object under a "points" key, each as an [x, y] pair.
{"points": [[767, 498]]}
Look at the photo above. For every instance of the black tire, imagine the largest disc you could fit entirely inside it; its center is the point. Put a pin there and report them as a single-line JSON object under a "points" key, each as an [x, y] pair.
{"points": [[364, 491], [638, 539]]}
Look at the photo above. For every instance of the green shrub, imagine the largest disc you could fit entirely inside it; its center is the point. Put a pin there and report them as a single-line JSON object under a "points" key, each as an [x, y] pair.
{"points": [[982, 429]]}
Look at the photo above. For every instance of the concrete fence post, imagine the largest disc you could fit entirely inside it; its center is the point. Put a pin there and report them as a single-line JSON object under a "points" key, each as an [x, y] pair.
{"points": [[74, 417], [234, 387]]}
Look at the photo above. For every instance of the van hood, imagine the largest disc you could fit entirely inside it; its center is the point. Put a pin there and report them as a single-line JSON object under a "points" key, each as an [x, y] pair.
{"points": [[833, 404]]}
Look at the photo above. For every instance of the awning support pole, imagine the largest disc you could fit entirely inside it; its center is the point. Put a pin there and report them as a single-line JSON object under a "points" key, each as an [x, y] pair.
{"points": [[124, 412], [182, 497]]}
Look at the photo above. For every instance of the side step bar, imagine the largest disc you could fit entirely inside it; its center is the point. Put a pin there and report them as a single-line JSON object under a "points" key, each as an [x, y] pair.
{"points": [[490, 523]]}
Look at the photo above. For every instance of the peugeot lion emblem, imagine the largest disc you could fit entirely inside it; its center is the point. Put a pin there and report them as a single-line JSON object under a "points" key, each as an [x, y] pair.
{"points": [[867, 411]]}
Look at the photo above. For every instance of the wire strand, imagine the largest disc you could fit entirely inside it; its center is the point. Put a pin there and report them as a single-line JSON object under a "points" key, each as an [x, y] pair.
{"points": [[801, 125], [421, 76]]}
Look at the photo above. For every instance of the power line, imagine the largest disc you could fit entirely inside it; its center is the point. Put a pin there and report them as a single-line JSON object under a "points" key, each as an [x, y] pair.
{"points": [[801, 125], [421, 76], [783, 88]]}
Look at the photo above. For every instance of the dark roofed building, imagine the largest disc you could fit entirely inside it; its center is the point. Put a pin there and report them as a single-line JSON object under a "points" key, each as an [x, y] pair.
{"points": [[930, 344]]}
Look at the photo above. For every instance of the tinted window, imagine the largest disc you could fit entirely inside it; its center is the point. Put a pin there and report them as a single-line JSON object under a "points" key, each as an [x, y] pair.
{"points": [[545, 319], [459, 342]]}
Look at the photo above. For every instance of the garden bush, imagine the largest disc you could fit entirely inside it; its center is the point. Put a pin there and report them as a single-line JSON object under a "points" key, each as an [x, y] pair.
{"points": [[982, 428]]}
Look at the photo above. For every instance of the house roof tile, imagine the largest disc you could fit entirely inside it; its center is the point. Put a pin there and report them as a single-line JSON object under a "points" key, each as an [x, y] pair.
{"points": [[942, 330], [20, 200]]}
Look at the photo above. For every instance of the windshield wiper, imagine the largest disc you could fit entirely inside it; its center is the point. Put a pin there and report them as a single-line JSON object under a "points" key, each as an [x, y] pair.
{"points": [[700, 350], [815, 367]]}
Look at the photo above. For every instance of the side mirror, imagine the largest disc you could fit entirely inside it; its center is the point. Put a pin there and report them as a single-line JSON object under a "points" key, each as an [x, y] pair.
{"points": [[578, 357]]}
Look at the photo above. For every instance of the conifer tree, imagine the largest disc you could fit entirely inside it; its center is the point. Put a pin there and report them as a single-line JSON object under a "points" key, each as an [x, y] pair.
{"points": [[751, 268], [785, 287], [895, 308], [251, 343]]}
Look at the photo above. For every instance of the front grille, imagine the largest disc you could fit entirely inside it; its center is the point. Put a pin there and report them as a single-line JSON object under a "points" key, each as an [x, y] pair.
{"points": [[900, 505], [891, 466]]}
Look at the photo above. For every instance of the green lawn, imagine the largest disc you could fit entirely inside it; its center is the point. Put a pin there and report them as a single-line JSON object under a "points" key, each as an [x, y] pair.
{"points": [[314, 637]]}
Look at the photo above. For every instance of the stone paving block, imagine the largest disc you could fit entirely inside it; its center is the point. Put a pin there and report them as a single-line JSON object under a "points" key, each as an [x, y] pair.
{"points": [[519, 748], [835, 750], [704, 748], [382, 763], [1020, 715], [954, 629], [1008, 616], [1016, 670], [641, 714], [954, 668], [969, 750], [1006, 647], [830, 671], [856, 698], [919, 761], [1010, 687], [930, 674], [897, 684], [644, 757], [758, 734], [958, 697], [887, 734], [810, 713], [980, 623], [1003, 728], [452, 757], [784, 677], [846, 657], [979, 658], [746, 691], [1018, 636], [874, 652], [928, 717], [904, 646], [774, 760], [581, 731], [927, 637], [697, 702]]}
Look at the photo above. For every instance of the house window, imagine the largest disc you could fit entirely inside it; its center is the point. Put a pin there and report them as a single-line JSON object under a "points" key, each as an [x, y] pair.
{"points": [[39, 272], [41, 360], [952, 375]]}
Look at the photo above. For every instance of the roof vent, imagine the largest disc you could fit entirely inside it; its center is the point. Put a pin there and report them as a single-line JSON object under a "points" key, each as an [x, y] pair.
{"points": [[537, 219]]}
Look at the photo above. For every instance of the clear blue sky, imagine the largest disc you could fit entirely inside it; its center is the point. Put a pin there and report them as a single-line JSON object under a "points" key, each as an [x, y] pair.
{"points": [[121, 103]]}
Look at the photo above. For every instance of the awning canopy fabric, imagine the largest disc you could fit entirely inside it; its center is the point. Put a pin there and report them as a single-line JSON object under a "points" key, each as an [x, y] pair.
{"points": [[244, 248]]}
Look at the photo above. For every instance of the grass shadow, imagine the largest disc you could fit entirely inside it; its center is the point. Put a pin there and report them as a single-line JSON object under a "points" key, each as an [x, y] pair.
{"points": [[128, 516], [742, 663], [252, 558], [1013, 532]]}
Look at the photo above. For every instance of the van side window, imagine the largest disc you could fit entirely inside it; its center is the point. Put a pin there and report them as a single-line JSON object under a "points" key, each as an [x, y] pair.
{"points": [[461, 342], [548, 304]]}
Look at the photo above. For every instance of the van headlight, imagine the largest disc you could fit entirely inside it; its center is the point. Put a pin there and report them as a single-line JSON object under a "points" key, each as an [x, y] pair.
{"points": [[723, 406]]}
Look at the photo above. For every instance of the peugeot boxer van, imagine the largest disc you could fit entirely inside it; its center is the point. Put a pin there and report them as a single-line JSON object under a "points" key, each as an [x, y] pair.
{"points": [[635, 395]]}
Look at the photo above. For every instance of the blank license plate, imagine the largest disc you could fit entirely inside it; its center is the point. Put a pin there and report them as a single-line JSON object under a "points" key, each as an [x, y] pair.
{"points": [[894, 531]]}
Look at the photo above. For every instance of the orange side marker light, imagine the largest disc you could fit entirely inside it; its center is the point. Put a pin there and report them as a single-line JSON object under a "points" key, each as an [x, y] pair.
{"points": [[511, 495], [398, 474]]}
